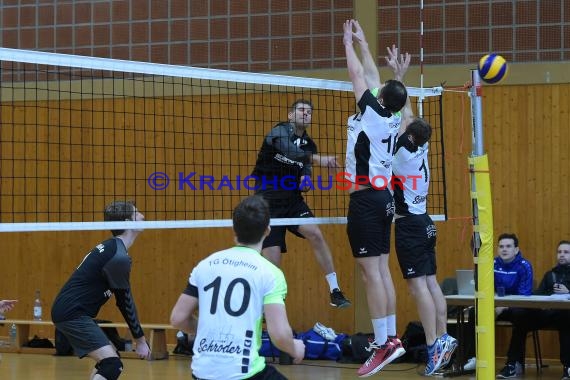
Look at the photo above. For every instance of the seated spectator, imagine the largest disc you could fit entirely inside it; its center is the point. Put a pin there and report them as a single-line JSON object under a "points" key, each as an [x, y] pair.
{"points": [[555, 281], [514, 274]]}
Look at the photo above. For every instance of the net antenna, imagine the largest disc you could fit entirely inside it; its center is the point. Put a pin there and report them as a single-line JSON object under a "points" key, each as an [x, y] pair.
{"points": [[181, 142], [421, 37]]}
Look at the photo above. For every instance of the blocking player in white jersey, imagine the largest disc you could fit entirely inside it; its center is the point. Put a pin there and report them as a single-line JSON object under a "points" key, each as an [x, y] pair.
{"points": [[232, 289], [416, 232], [370, 146]]}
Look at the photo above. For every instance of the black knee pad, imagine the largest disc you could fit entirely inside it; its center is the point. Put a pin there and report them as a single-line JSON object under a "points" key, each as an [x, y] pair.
{"points": [[110, 368]]}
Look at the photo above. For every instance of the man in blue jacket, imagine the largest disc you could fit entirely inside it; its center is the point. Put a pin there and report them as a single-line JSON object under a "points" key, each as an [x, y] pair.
{"points": [[514, 274], [555, 281]]}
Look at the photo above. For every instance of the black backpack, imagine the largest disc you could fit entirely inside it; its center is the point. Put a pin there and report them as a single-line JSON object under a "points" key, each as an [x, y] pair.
{"points": [[414, 342], [354, 348], [184, 345], [37, 342]]}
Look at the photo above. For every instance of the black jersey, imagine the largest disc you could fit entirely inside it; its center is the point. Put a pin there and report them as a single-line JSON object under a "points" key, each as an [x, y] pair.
{"points": [[104, 271], [283, 158]]}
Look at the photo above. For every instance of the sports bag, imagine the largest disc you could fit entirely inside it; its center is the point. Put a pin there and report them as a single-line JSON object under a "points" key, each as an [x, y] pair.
{"points": [[316, 347]]}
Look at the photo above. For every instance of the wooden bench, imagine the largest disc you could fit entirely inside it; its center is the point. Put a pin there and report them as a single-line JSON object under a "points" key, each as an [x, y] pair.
{"points": [[154, 333]]}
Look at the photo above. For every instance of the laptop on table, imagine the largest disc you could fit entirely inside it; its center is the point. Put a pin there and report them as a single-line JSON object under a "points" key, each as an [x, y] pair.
{"points": [[465, 282]]}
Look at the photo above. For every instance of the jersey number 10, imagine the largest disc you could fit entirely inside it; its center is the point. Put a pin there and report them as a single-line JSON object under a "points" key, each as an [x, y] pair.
{"points": [[216, 286]]}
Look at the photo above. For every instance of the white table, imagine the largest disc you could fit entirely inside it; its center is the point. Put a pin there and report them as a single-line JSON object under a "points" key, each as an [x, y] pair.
{"points": [[529, 302], [561, 301]]}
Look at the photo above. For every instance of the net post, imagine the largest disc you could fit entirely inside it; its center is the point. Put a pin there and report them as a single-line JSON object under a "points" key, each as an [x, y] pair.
{"points": [[477, 113], [482, 239]]}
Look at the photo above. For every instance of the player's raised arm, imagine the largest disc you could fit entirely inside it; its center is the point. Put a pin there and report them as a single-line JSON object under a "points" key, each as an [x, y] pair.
{"points": [[371, 73], [354, 66], [399, 64]]}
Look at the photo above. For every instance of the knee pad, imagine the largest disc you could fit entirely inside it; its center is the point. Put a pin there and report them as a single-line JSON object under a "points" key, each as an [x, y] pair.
{"points": [[110, 368]]}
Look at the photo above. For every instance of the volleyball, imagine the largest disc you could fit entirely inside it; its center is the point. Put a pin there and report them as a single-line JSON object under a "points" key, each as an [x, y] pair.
{"points": [[492, 68]]}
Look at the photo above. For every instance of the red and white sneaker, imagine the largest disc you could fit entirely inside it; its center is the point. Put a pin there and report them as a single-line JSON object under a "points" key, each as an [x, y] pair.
{"points": [[400, 350], [381, 356]]}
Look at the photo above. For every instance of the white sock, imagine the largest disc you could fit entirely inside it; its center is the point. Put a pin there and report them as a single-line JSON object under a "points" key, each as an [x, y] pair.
{"points": [[331, 279], [391, 324], [380, 330]]}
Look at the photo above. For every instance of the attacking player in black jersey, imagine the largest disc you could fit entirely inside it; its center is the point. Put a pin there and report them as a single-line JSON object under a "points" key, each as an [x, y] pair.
{"points": [[104, 271], [283, 173]]}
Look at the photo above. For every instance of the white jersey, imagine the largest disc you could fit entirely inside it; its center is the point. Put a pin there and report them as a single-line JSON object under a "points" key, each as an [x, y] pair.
{"points": [[371, 142], [232, 286], [411, 177]]}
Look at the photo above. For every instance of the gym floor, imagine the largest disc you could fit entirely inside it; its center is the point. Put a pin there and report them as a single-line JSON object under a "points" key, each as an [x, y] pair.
{"points": [[48, 367]]}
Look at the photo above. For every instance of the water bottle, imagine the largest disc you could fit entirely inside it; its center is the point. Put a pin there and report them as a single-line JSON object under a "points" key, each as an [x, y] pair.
{"points": [[37, 307], [12, 334]]}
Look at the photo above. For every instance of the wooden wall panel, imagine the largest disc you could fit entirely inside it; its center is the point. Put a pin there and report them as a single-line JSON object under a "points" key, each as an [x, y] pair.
{"points": [[526, 131]]}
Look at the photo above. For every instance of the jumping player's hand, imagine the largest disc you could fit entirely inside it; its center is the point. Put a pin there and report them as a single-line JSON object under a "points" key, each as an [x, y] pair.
{"points": [[358, 33], [399, 63], [143, 350], [329, 162], [348, 33], [299, 353]]}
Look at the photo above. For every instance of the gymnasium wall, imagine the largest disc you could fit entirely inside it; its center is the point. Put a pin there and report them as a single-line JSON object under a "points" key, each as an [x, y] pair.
{"points": [[262, 35]]}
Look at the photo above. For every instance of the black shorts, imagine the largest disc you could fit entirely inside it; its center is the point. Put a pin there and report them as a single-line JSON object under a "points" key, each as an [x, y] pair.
{"points": [[285, 208], [83, 334], [416, 236], [369, 222]]}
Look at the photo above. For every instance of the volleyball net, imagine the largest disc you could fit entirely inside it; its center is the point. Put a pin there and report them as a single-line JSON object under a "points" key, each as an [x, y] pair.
{"points": [[181, 142]]}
